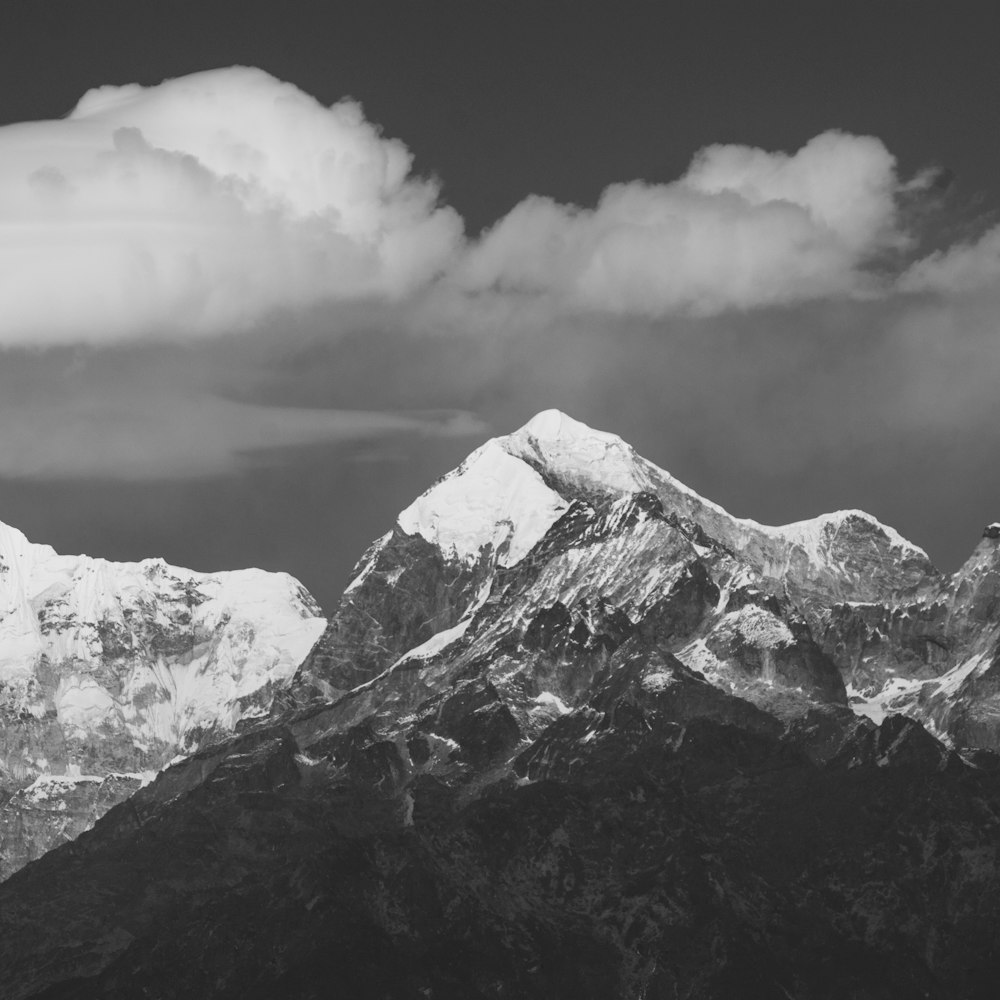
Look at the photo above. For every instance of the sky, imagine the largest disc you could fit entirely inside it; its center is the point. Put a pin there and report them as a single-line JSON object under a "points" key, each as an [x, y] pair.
{"points": [[267, 271]]}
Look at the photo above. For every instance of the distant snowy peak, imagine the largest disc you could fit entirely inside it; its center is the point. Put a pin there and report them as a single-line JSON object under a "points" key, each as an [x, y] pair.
{"points": [[821, 537], [148, 649]]}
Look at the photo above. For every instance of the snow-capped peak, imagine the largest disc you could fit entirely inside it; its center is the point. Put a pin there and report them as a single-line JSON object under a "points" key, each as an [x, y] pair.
{"points": [[578, 454], [553, 425], [816, 533]]}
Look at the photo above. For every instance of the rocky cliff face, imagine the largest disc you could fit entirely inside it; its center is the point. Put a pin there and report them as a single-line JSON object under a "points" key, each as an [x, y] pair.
{"points": [[934, 655], [113, 669], [572, 732]]}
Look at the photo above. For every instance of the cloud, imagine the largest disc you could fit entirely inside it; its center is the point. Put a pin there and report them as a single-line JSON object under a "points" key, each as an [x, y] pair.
{"points": [[962, 268], [136, 416], [743, 228], [206, 203], [201, 204]]}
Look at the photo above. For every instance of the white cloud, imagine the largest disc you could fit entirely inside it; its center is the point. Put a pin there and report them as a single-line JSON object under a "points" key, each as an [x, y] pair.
{"points": [[199, 204], [742, 228], [963, 268]]}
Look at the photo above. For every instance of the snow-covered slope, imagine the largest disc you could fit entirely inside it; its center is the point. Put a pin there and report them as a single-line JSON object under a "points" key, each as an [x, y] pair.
{"points": [[117, 667], [491, 499], [152, 650]]}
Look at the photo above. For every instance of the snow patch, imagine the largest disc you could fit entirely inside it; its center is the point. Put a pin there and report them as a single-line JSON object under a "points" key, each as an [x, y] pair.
{"points": [[899, 695], [896, 696], [492, 499], [549, 702], [949, 683], [436, 643]]}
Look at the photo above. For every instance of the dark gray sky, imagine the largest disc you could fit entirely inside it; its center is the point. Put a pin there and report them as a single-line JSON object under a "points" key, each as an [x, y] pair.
{"points": [[820, 367]]}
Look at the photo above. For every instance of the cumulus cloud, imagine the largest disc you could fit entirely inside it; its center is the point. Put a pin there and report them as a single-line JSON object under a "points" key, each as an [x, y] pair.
{"points": [[200, 204], [742, 228]]}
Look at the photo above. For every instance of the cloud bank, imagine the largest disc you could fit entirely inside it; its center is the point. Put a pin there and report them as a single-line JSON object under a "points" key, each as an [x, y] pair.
{"points": [[204, 204], [199, 205]]}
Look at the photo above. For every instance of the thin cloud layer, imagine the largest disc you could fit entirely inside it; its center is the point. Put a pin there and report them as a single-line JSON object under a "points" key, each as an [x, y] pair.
{"points": [[155, 435], [200, 204], [742, 228]]}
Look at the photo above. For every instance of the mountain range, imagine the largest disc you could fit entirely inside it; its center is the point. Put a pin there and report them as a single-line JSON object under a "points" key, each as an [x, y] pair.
{"points": [[572, 731]]}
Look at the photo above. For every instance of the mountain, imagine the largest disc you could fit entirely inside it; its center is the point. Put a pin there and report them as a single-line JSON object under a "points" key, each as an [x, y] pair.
{"points": [[110, 670], [572, 732], [561, 534]]}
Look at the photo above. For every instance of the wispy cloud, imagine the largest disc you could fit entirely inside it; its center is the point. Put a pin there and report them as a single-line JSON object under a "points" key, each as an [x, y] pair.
{"points": [[145, 432], [966, 267]]}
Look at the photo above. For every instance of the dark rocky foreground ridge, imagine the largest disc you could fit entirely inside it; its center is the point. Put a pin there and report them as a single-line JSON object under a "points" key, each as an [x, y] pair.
{"points": [[614, 751], [666, 841]]}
